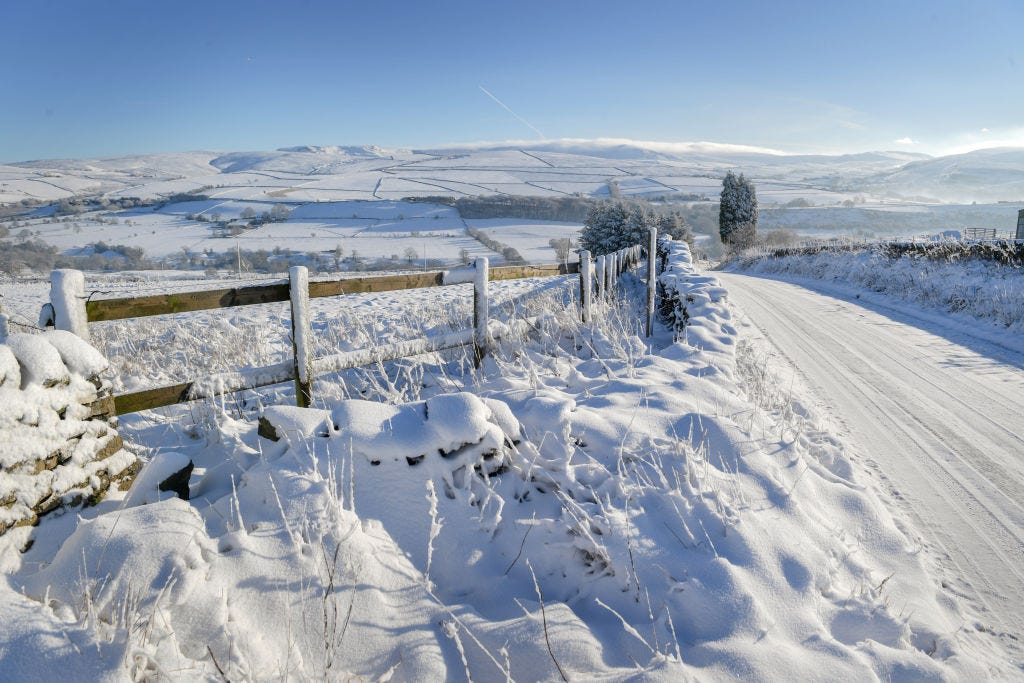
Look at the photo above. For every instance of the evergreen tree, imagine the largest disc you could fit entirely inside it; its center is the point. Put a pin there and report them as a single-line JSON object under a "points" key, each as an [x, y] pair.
{"points": [[737, 213], [675, 226], [610, 226]]}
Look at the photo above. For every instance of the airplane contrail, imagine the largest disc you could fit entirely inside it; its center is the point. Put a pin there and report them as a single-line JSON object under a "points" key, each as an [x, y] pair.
{"points": [[518, 117]]}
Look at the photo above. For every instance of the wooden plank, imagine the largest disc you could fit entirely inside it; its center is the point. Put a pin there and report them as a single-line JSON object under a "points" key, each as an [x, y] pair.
{"points": [[652, 277], [160, 397], [382, 283], [67, 297], [184, 302], [206, 387], [152, 398], [586, 285], [302, 365], [480, 311], [518, 272]]}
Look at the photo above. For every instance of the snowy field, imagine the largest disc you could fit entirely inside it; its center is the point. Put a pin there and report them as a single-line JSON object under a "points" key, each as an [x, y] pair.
{"points": [[529, 238], [886, 221], [587, 506], [350, 197], [373, 230]]}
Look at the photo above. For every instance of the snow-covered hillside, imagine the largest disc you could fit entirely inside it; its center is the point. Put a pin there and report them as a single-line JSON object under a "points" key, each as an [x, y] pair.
{"points": [[324, 173], [350, 200], [985, 175]]}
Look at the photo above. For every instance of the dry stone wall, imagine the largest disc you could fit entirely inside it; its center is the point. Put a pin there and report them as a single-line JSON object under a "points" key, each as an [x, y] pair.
{"points": [[59, 445]]}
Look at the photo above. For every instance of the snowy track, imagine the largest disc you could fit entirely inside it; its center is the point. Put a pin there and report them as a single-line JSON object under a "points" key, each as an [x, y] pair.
{"points": [[938, 416]]}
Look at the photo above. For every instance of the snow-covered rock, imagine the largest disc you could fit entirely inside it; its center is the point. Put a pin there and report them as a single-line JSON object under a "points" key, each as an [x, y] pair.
{"points": [[53, 450]]}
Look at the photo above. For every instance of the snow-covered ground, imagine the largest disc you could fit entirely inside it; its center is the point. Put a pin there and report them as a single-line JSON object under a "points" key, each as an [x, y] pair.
{"points": [[920, 364], [370, 229], [587, 506], [891, 220], [931, 406], [529, 238]]}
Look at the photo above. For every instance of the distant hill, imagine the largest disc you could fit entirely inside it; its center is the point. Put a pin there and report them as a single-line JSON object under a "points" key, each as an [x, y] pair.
{"points": [[985, 175], [596, 168]]}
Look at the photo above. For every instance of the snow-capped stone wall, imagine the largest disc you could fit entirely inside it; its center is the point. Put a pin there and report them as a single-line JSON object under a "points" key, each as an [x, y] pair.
{"points": [[686, 294], [59, 445]]}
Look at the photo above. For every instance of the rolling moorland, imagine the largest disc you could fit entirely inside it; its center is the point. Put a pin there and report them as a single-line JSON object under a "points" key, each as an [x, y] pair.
{"points": [[169, 204]]}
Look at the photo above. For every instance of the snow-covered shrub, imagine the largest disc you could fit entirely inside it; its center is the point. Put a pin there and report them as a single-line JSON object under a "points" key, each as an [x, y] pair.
{"points": [[55, 448], [981, 279]]}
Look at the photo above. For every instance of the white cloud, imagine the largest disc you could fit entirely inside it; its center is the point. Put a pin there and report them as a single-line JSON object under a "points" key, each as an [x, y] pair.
{"points": [[905, 141], [702, 147], [984, 139]]}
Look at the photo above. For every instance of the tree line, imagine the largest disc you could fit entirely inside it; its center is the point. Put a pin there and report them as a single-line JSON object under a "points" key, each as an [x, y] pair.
{"points": [[571, 209], [38, 256], [510, 254]]}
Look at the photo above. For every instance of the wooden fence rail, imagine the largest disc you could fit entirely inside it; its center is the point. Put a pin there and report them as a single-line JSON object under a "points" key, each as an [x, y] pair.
{"points": [[102, 310], [70, 309]]}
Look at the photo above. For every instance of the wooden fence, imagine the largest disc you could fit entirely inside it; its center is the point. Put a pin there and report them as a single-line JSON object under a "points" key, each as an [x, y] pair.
{"points": [[71, 309]]}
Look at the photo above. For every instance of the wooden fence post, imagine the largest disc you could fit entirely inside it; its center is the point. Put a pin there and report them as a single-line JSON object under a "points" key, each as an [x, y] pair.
{"points": [[480, 305], [298, 279], [586, 280], [67, 297], [652, 277]]}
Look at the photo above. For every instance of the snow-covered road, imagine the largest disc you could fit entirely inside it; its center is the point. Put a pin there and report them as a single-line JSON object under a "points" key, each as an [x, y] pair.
{"points": [[937, 413]]}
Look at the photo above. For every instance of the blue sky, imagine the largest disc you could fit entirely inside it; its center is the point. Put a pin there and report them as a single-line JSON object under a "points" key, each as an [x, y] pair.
{"points": [[106, 77]]}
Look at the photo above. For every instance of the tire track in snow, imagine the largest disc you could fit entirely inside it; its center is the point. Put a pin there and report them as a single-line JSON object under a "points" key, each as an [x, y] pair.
{"points": [[1011, 487], [957, 475], [896, 398]]}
